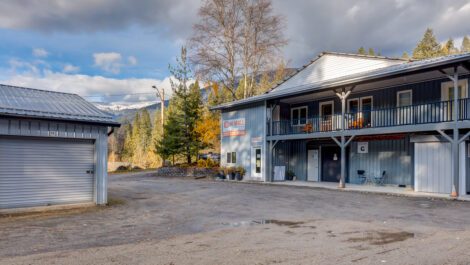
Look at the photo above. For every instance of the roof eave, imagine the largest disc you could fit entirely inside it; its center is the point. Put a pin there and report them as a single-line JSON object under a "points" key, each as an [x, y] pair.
{"points": [[102, 123], [353, 81]]}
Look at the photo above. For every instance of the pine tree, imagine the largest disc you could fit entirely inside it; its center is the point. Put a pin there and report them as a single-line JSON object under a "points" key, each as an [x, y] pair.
{"points": [[128, 149], [428, 47], [465, 44], [135, 139], [362, 51], [448, 48], [185, 110], [371, 52]]}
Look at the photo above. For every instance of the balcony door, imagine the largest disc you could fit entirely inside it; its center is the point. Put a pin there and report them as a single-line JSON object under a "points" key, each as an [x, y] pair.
{"points": [[447, 95], [404, 107], [360, 110], [326, 115]]}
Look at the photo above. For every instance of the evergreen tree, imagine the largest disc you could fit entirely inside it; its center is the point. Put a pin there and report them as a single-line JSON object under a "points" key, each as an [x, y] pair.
{"points": [[371, 52], [448, 48], [145, 130], [362, 51], [135, 140], [128, 149], [428, 47], [465, 44], [405, 56], [185, 111]]}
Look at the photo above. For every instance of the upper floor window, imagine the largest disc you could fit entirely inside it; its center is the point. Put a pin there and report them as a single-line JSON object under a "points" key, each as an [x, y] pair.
{"points": [[299, 115], [404, 98], [447, 90]]}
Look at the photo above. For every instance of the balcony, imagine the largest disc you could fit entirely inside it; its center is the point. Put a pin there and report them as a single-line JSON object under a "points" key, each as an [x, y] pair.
{"points": [[426, 113]]}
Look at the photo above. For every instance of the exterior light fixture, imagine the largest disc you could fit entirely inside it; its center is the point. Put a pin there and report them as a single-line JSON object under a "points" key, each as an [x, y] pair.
{"points": [[335, 157]]}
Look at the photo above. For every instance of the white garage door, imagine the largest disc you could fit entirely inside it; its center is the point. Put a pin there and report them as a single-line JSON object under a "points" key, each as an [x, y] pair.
{"points": [[433, 167], [43, 171]]}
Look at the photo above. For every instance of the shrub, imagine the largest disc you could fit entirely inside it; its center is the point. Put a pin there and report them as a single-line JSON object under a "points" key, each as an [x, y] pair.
{"points": [[202, 163], [211, 163]]}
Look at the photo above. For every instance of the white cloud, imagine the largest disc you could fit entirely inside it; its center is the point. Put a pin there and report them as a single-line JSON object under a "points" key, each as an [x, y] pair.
{"points": [[132, 60], [40, 52], [69, 68], [108, 61], [107, 91]]}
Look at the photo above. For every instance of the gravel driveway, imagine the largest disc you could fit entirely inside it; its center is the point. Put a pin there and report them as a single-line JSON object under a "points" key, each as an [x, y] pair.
{"points": [[183, 221]]}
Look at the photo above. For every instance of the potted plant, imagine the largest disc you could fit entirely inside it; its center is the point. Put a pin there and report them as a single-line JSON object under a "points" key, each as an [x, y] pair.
{"points": [[290, 175], [240, 172], [221, 174]]}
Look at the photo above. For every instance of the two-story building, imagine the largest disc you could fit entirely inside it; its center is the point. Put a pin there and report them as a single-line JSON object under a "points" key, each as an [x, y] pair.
{"points": [[358, 119]]}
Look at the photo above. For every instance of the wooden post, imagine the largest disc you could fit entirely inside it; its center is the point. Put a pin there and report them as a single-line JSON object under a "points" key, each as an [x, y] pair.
{"points": [[455, 140], [343, 95]]}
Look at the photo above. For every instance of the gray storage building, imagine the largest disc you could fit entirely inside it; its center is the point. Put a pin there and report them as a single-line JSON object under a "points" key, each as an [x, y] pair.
{"points": [[53, 149]]}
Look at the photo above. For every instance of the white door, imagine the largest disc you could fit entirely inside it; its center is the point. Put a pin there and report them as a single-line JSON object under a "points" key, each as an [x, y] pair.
{"points": [[433, 164], [45, 171], [404, 107], [256, 162], [312, 168]]}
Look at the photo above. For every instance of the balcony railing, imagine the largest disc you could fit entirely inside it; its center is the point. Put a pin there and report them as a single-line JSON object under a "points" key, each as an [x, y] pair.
{"points": [[416, 114]]}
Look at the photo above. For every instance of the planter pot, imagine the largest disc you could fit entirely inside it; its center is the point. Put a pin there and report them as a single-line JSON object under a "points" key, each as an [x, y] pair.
{"points": [[238, 176], [232, 176]]}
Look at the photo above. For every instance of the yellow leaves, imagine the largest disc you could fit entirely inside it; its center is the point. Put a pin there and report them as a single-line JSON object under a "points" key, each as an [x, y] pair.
{"points": [[208, 128]]}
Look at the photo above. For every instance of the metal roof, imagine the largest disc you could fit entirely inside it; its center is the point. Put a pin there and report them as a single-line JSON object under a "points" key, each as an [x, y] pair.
{"points": [[329, 65], [35, 103], [351, 79]]}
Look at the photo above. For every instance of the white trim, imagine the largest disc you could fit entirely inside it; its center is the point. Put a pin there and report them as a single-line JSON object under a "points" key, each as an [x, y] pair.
{"points": [[298, 118], [371, 102], [348, 108], [332, 102], [402, 92], [446, 85], [253, 173]]}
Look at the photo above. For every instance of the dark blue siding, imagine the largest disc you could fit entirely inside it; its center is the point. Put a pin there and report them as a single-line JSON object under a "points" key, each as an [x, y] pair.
{"points": [[424, 92]]}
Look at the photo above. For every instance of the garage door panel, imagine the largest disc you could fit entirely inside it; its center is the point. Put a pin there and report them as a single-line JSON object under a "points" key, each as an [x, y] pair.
{"points": [[432, 167], [45, 171]]}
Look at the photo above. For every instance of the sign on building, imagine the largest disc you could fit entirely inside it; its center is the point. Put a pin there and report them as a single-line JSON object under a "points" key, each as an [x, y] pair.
{"points": [[233, 127], [362, 147]]}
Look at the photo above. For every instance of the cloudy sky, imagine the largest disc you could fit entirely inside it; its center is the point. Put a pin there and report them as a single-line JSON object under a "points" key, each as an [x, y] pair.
{"points": [[113, 51]]}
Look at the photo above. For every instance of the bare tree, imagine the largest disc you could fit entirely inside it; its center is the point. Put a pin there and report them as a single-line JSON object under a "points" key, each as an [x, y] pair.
{"points": [[235, 39], [262, 39]]}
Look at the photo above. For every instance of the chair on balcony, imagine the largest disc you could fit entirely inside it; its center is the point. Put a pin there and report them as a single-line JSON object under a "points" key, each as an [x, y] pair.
{"points": [[307, 128]]}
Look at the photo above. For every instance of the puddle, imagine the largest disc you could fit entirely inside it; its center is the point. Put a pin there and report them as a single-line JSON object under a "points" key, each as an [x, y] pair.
{"points": [[382, 238], [291, 224]]}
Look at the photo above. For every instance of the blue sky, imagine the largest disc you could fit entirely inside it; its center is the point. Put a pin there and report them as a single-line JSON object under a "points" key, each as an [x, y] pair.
{"points": [[98, 48]]}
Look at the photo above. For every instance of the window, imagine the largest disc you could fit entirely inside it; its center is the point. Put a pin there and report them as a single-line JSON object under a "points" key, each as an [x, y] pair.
{"points": [[404, 98], [447, 90], [353, 105], [299, 115], [231, 157], [258, 160]]}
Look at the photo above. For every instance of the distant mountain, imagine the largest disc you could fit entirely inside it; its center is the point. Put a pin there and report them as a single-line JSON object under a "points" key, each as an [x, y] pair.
{"points": [[127, 112]]}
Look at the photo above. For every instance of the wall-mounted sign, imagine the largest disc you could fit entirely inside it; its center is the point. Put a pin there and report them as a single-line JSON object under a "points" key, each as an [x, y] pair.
{"points": [[256, 140], [362, 147], [233, 127]]}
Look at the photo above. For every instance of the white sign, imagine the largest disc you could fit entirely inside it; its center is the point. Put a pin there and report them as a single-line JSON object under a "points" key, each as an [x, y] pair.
{"points": [[362, 147], [233, 127], [256, 140]]}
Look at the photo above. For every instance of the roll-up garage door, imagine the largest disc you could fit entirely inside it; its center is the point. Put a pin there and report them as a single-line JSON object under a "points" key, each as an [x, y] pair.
{"points": [[45, 171], [433, 167]]}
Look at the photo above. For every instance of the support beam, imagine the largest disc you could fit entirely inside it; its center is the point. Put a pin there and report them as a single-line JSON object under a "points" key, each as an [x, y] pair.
{"points": [[464, 137], [455, 143], [343, 95]]}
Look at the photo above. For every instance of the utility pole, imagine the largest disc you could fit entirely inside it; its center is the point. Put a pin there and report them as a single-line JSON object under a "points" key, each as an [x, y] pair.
{"points": [[161, 95]]}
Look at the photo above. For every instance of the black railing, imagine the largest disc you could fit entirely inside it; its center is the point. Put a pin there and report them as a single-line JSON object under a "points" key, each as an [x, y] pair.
{"points": [[416, 114]]}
